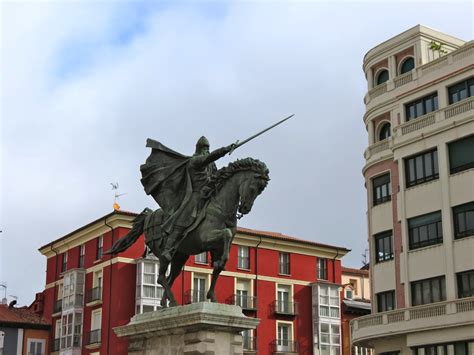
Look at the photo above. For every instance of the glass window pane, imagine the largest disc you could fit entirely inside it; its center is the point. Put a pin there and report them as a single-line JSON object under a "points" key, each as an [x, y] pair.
{"points": [[411, 169], [435, 162], [419, 167], [428, 165]]}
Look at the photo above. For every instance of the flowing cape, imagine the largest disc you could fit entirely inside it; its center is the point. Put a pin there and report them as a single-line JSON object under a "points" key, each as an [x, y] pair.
{"points": [[166, 178]]}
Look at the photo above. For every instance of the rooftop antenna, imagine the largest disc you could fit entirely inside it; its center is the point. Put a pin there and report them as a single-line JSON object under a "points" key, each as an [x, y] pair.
{"points": [[115, 187], [364, 257]]}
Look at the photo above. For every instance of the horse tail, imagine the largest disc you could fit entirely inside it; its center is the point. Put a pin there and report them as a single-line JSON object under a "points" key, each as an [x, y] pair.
{"points": [[131, 237]]}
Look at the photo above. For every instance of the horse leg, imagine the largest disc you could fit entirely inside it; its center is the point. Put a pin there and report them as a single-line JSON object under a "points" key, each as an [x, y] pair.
{"points": [[163, 282], [226, 236], [176, 266], [215, 274]]}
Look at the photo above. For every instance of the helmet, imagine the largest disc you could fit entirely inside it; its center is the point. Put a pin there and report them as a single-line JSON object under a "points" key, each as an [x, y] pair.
{"points": [[202, 143]]}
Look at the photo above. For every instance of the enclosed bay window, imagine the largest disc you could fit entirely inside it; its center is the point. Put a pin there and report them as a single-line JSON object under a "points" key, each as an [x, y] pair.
{"points": [[461, 155], [330, 338], [243, 257], [381, 189], [421, 168], [428, 291], [149, 292], [421, 106], [463, 216], [329, 301], [461, 91], [383, 246], [425, 230], [465, 283], [385, 301], [284, 263]]}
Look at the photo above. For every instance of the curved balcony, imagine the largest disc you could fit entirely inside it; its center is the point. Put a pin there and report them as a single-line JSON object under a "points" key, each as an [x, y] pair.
{"points": [[414, 319]]}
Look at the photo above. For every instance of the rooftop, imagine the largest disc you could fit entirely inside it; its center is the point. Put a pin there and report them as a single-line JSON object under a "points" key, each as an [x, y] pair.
{"points": [[23, 317]]}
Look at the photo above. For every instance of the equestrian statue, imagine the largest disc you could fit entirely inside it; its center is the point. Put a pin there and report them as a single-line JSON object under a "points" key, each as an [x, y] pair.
{"points": [[199, 207]]}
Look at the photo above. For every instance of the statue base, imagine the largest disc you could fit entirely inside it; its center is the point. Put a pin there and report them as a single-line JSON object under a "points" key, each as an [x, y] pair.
{"points": [[198, 328]]}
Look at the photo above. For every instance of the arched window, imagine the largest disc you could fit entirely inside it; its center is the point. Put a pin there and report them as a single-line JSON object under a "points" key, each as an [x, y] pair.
{"points": [[384, 132], [407, 65], [382, 77]]}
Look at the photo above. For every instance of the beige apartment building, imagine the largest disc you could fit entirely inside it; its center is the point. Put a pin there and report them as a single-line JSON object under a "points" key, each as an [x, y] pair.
{"points": [[419, 175]]}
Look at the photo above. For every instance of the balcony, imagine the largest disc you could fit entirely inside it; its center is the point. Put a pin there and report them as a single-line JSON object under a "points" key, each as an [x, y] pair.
{"points": [[195, 296], [249, 344], [55, 345], [94, 296], [285, 308], [283, 346], [92, 339], [57, 307], [247, 303], [414, 319]]}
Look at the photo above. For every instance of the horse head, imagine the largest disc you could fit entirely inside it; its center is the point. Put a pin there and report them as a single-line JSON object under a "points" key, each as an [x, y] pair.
{"points": [[255, 181]]}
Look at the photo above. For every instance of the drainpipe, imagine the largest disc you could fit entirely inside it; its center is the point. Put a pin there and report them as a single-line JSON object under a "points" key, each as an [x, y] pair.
{"points": [[110, 290], [256, 280]]}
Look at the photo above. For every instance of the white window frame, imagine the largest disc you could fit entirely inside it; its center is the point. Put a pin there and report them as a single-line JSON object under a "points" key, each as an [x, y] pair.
{"points": [[100, 246], [329, 301], [282, 263], [94, 313], [201, 258], [38, 341], [280, 289], [82, 255], [331, 344], [291, 336], [243, 257]]}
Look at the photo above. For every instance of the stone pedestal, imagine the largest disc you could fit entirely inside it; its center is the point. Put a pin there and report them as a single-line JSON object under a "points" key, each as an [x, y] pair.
{"points": [[198, 328]]}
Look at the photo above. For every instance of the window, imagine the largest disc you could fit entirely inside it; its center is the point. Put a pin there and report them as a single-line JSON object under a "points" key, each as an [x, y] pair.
{"points": [[201, 258], [382, 189], [284, 304], [428, 291], [284, 264], [100, 246], [382, 77], [328, 301], [461, 91], [461, 155], [425, 230], [284, 338], [64, 262], [349, 293], [82, 252], [242, 294], [243, 259], [385, 301], [329, 335], [322, 269], [248, 342], [407, 65], [383, 246], [457, 348], [353, 284], [421, 168], [36, 346], [199, 292], [463, 220], [421, 106], [465, 284], [385, 131]]}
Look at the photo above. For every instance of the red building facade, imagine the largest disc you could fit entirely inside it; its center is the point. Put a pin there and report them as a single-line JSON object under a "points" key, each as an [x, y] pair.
{"points": [[270, 275]]}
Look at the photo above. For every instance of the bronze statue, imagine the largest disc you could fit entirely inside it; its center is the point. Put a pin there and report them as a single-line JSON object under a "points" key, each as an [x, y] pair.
{"points": [[199, 204]]}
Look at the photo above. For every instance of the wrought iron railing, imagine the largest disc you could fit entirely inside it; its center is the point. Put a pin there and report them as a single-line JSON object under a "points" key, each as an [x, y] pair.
{"points": [[58, 306], [93, 337], [285, 346], [94, 294], [195, 296], [285, 307], [245, 302]]}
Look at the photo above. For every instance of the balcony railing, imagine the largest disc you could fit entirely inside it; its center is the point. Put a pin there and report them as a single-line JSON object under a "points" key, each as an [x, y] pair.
{"points": [[284, 346], [94, 294], [55, 345], [245, 302], [93, 337], [285, 308], [249, 343], [195, 296], [58, 306], [401, 321]]}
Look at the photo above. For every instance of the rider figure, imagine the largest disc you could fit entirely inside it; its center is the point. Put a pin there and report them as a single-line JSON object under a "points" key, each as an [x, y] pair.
{"points": [[200, 167]]}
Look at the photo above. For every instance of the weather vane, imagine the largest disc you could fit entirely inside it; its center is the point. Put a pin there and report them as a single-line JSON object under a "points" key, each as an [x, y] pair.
{"points": [[115, 187]]}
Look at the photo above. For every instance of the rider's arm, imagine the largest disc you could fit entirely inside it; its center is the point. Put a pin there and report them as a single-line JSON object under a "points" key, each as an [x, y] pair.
{"points": [[212, 156]]}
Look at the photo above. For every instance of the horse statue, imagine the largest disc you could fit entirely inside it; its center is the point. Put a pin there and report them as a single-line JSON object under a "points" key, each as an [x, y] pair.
{"points": [[229, 194]]}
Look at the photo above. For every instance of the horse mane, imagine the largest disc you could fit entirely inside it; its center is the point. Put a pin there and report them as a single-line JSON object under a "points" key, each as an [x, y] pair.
{"points": [[220, 176]]}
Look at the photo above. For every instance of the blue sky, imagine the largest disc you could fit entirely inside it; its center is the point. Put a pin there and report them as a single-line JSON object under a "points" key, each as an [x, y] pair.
{"points": [[85, 83]]}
